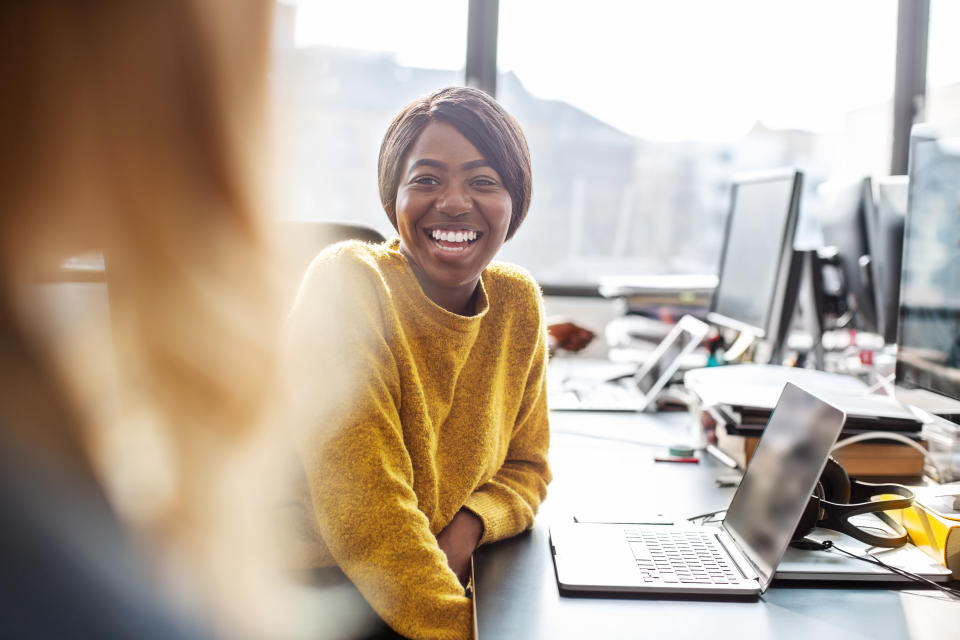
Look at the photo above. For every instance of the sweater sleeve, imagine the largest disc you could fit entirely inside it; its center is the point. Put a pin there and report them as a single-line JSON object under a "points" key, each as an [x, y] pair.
{"points": [[508, 502], [359, 472]]}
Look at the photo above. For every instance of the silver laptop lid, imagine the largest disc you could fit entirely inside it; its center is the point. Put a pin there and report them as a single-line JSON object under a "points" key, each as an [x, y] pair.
{"points": [[683, 338], [781, 477]]}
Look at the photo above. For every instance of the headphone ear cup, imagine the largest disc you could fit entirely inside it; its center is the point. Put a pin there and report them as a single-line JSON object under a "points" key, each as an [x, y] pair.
{"points": [[811, 513], [834, 483]]}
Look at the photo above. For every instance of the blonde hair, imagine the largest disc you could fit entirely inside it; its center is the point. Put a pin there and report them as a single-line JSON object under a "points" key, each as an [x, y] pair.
{"points": [[135, 129]]}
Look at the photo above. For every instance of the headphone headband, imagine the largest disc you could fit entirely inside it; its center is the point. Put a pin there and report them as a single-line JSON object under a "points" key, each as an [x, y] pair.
{"points": [[837, 499], [837, 515]]}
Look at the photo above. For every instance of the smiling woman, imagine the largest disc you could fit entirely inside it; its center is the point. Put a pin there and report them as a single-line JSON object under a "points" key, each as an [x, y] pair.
{"points": [[453, 165], [431, 437], [453, 214]]}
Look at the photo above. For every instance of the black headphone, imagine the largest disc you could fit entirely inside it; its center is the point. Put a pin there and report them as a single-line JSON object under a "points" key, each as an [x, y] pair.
{"points": [[837, 498]]}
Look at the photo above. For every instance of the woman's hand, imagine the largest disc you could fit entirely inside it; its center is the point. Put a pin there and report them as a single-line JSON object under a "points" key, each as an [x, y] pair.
{"points": [[459, 539]]}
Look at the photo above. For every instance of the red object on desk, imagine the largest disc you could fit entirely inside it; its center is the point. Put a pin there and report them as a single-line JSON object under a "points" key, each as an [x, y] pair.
{"points": [[670, 459]]}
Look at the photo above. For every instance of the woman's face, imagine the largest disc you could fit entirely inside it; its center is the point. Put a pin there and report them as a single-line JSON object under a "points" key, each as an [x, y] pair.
{"points": [[453, 213]]}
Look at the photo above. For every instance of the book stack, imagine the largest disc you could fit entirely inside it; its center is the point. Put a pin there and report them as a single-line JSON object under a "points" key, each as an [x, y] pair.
{"points": [[735, 401], [659, 296], [868, 459]]}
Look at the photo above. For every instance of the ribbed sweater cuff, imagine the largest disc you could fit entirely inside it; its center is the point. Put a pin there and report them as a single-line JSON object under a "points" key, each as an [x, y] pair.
{"points": [[497, 518]]}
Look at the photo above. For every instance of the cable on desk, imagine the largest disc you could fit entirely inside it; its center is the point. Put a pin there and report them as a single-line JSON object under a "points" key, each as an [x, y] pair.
{"points": [[883, 382], [706, 517], [828, 546]]}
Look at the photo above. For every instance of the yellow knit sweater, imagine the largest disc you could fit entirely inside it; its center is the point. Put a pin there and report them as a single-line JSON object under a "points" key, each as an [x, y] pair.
{"points": [[413, 412]]}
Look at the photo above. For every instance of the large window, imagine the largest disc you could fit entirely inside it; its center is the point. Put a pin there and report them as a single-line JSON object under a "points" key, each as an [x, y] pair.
{"points": [[640, 113], [341, 71], [943, 62]]}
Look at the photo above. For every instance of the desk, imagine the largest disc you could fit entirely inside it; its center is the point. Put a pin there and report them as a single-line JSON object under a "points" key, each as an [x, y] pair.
{"points": [[598, 461]]}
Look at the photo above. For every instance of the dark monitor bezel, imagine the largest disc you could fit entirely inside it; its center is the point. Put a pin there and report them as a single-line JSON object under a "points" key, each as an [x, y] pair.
{"points": [[775, 306], [889, 240], [925, 132]]}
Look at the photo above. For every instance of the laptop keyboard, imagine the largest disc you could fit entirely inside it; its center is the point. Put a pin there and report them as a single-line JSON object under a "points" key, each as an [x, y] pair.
{"points": [[601, 396], [681, 557]]}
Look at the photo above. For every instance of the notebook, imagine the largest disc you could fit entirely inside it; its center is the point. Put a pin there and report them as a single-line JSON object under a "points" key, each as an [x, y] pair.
{"points": [[738, 558], [636, 391]]}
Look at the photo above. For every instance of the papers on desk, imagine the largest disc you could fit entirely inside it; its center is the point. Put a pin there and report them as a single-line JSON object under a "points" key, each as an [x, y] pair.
{"points": [[752, 391], [676, 284]]}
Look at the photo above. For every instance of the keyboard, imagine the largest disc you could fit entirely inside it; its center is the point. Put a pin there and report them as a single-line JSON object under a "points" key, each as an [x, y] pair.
{"points": [[681, 557], [579, 395]]}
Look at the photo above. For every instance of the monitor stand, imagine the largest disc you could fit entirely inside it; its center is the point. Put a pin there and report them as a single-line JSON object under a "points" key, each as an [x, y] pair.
{"points": [[743, 342]]}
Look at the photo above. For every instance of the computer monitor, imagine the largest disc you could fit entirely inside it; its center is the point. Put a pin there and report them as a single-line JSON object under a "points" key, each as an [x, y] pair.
{"points": [[928, 354], [891, 206], [756, 287], [848, 219]]}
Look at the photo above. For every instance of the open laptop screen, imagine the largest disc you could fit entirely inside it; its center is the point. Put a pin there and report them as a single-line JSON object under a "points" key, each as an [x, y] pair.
{"points": [[781, 477], [682, 339]]}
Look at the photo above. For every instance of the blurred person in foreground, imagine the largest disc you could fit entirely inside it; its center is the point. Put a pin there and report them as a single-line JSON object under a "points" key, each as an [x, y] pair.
{"points": [[424, 393], [135, 468]]}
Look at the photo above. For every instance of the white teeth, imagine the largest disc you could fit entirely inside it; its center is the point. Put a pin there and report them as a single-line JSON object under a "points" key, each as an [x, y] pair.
{"points": [[453, 236]]}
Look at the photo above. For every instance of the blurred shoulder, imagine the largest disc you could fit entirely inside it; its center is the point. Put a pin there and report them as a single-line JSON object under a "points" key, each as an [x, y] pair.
{"points": [[348, 270], [352, 255]]}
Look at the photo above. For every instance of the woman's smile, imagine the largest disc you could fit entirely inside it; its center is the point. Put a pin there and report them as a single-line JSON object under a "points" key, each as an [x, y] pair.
{"points": [[454, 241]]}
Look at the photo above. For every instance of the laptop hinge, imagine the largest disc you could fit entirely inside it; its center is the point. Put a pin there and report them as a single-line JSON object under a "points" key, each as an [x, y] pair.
{"points": [[738, 558]]}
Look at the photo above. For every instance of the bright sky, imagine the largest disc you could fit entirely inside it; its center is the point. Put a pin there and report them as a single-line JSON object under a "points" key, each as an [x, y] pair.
{"points": [[422, 33], [664, 69]]}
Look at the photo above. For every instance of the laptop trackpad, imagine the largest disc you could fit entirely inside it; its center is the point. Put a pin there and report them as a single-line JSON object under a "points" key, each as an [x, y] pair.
{"points": [[593, 556]]}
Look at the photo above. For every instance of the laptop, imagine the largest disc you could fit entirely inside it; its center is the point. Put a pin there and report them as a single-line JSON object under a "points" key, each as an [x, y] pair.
{"points": [[638, 390], [738, 558]]}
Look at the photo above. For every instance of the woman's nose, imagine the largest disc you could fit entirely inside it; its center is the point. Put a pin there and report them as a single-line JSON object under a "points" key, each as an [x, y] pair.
{"points": [[454, 201]]}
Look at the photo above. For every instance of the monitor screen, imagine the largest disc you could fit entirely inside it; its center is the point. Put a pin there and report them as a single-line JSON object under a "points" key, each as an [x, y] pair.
{"points": [[848, 220], [757, 250], [928, 354]]}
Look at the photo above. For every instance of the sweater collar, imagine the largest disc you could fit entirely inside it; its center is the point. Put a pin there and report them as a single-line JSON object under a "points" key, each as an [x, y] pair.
{"points": [[433, 310]]}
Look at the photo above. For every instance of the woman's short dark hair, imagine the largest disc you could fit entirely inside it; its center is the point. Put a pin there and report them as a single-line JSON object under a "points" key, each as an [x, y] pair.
{"points": [[481, 120]]}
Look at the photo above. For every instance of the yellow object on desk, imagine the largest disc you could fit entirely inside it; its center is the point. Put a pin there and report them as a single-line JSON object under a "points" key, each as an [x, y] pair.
{"points": [[937, 535]]}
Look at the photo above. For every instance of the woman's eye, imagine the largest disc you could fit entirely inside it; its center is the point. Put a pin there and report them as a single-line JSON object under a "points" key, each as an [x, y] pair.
{"points": [[429, 180], [484, 182]]}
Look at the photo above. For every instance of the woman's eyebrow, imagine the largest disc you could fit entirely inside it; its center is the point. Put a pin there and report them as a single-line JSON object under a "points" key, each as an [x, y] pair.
{"points": [[428, 162], [473, 164], [438, 164]]}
